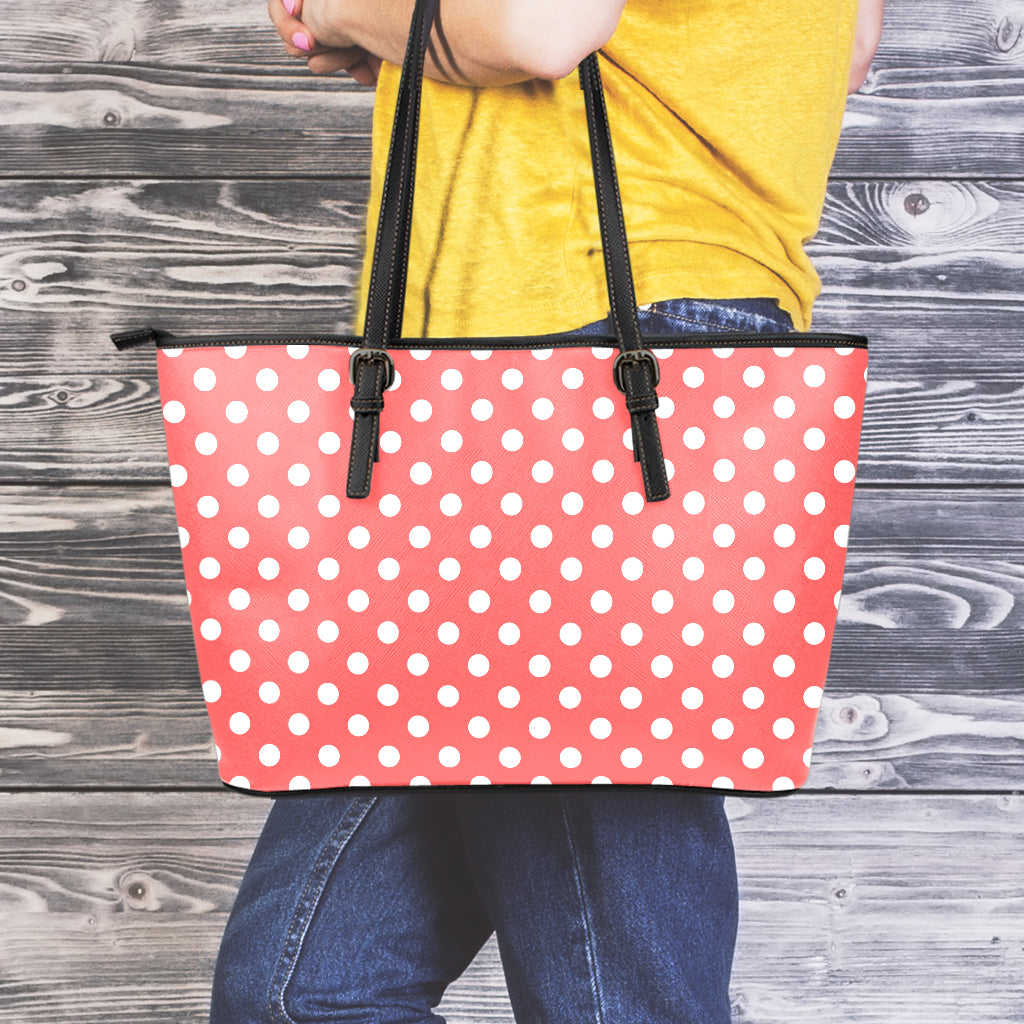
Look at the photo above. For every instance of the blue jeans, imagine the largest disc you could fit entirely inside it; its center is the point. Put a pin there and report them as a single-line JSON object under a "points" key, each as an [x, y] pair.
{"points": [[616, 905]]}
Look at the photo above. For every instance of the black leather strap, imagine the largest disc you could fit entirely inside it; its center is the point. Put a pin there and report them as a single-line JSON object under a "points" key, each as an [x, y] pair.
{"points": [[635, 369]]}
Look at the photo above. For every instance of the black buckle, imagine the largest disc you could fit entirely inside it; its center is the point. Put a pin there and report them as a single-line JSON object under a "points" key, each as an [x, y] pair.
{"points": [[371, 355], [636, 355]]}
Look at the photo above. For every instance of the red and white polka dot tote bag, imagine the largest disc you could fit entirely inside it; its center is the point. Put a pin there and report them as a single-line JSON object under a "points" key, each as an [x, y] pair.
{"points": [[450, 562]]}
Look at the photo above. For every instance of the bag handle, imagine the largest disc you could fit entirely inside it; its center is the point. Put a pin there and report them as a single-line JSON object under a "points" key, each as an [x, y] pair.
{"points": [[371, 369]]}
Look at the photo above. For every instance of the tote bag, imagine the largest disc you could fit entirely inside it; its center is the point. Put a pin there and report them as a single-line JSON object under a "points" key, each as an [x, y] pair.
{"points": [[505, 561]]}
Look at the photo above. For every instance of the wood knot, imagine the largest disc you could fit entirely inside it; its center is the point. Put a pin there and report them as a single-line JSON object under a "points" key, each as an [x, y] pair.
{"points": [[916, 204], [1007, 34], [19, 285], [111, 118], [848, 714]]}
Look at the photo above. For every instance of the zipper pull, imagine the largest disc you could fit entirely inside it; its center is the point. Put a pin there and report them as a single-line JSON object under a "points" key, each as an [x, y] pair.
{"points": [[132, 339]]}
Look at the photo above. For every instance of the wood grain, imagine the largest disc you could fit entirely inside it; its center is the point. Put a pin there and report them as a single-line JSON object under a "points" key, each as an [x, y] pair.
{"points": [[847, 907]]}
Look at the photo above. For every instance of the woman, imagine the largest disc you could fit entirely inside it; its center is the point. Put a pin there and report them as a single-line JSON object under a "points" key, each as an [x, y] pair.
{"points": [[609, 904]]}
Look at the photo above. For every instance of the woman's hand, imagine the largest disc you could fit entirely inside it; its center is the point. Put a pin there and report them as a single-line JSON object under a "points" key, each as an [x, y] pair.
{"points": [[324, 49], [865, 43]]}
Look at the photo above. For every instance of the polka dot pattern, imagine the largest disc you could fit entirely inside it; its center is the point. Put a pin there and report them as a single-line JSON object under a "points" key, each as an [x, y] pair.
{"points": [[506, 607]]}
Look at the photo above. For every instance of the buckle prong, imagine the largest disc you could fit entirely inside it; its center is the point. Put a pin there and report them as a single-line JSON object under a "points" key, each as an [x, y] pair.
{"points": [[637, 356], [371, 355]]}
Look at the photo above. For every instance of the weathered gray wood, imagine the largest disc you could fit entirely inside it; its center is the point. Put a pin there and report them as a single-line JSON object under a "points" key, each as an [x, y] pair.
{"points": [[884, 908]]}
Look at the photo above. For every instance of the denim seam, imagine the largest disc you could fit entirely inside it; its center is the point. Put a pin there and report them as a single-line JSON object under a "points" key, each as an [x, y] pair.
{"points": [[588, 931], [753, 317], [307, 905]]}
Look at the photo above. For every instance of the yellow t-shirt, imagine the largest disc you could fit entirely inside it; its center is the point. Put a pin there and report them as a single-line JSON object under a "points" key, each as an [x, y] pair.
{"points": [[725, 115]]}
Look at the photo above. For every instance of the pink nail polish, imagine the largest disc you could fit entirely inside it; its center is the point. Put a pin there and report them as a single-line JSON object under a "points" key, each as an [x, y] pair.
{"points": [[301, 40], [289, 6]]}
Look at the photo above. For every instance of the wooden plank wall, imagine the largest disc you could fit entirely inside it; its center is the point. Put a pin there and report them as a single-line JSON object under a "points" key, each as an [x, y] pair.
{"points": [[163, 160]]}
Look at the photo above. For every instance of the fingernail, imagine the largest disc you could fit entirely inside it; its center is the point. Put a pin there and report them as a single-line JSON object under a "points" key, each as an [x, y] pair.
{"points": [[301, 40], [289, 6]]}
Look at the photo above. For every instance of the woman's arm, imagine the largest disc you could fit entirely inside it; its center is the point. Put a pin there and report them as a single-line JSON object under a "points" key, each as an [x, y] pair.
{"points": [[865, 43], [476, 42]]}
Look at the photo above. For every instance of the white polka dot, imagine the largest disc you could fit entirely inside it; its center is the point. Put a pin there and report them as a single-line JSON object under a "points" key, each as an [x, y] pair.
{"points": [[631, 757], [328, 631], [539, 666], [783, 728], [451, 440], [570, 634], [666, 407], [298, 411], [600, 728], [662, 601], [692, 698], [542, 471], [480, 536], [211, 691], [601, 601], [238, 475], [753, 438], [451, 380], [631, 697], [814, 633], [784, 407], [327, 569], [693, 634], [570, 757], [693, 568], [239, 723], [328, 694], [572, 439], [448, 695], [419, 537], [569, 697], [572, 378], [661, 666], [270, 692], [632, 569], [388, 756], [784, 601], [814, 376], [387, 694], [267, 442], [723, 535], [602, 536], [418, 726], [693, 502], [449, 569], [387, 632], [844, 407], [753, 633], [481, 472], [722, 666], [693, 438], [661, 728], [179, 475], [266, 379], [449, 756], [571, 569], [512, 440], [269, 630], [723, 407], [600, 666], [753, 697], [509, 757], [478, 727], [540, 601], [814, 503], [329, 442], [209, 629], [812, 696], [510, 569], [541, 536], [633, 503], [604, 408], [784, 666], [753, 568], [479, 601], [784, 535], [239, 599], [209, 568], [723, 601], [328, 380], [511, 504], [512, 379], [784, 471], [692, 758], [298, 662], [842, 535], [752, 758], [359, 600], [174, 412], [814, 439], [418, 600], [421, 354], [844, 471], [508, 697], [206, 443], [721, 728], [663, 535], [693, 376], [753, 376], [390, 441], [814, 568], [329, 755], [753, 502], [542, 408], [724, 470], [509, 633], [297, 351], [268, 506], [479, 665], [417, 664], [722, 351], [390, 505], [421, 410], [420, 473]]}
